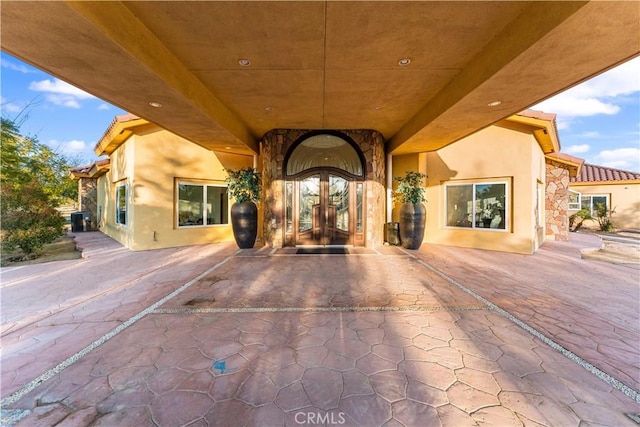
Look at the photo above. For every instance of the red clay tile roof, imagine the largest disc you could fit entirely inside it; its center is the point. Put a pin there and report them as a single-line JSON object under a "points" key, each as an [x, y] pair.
{"points": [[593, 173], [118, 119], [82, 169], [91, 170], [566, 158], [87, 168]]}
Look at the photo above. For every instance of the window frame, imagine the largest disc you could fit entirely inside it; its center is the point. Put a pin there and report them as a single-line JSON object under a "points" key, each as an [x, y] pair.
{"points": [[119, 186], [572, 206], [591, 206], [473, 184], [204, 185]]}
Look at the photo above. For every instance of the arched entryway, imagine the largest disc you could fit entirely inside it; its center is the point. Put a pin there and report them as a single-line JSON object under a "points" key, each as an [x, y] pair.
{"points": [[324, 191]]}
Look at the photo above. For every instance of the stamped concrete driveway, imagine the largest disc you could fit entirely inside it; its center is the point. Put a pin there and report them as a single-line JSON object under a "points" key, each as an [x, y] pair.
{"points": [[210, 335]]}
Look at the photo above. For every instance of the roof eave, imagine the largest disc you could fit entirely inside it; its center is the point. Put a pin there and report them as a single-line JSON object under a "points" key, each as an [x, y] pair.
{"points": [[117, 133], [574, 164], [543, 130]]}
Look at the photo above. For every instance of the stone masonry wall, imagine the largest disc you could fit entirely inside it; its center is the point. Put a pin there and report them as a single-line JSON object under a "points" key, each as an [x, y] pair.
{"points": [[273, 148], [557, 200], [88, 200]]}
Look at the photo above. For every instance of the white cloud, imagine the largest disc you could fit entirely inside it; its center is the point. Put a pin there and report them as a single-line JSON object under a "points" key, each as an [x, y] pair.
{"points": [[590, 134], [577, 149], [59, 87], [60, 93], [104, 107], [621, 80], [568, 105], [10, 107], [16, 67], [72, 147], [64, 100], [600, 95], [620, 158]]}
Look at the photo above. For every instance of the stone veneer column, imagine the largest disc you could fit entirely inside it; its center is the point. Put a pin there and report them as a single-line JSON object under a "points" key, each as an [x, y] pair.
{"points": [[557, 200], [273, 148], [88, 199]]}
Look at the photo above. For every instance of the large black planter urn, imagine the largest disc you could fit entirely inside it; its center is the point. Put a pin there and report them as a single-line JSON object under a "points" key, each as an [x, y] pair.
{"points": [[244, 222], [413, 218]]}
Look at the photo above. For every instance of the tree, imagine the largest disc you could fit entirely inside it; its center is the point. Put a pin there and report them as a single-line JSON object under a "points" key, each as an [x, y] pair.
{"points": [[34, 180], [577, 219]]}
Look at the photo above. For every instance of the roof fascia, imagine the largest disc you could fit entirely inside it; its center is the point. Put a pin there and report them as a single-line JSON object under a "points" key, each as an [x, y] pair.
{"points": [[543, 131], [116, 135], [573, 167], [616, 182], [96, 170]]}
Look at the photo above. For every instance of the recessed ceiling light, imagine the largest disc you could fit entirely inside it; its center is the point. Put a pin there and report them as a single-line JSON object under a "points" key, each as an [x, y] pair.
{"points": [[404, 62], [377, 108], [494, 103], [244, 62], [155, 104], [227, 148], [268, 108]]}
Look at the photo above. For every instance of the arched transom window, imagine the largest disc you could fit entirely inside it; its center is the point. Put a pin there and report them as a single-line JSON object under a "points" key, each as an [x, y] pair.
{"points": [[325, 150]]}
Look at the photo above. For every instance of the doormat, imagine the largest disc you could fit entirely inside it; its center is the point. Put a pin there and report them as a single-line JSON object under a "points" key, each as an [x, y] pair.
{"points": [[322, 251]]}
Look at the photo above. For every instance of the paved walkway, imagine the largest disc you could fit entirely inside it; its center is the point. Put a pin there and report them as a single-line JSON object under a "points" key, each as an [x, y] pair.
{"points": [[212, 335]]}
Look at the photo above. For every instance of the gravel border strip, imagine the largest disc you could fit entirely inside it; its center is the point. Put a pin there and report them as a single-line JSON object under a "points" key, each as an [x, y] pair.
{"points": [[310, 309]]}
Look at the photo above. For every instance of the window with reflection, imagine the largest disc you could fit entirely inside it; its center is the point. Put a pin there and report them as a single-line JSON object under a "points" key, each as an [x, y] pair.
{"points": [[201, 204], [477, 205], [359, 213], [593, 202], [121, 204], [575, 201], [289, 207]]}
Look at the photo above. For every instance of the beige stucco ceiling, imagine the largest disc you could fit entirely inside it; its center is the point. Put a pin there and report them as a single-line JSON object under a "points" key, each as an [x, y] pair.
{"points": [[322, 64]]}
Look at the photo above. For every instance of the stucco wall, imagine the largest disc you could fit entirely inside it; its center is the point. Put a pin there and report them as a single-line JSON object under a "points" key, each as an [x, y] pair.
{"points": [[158, 159], [492, 154], [401, 165], [121, 172], [624, 198]]}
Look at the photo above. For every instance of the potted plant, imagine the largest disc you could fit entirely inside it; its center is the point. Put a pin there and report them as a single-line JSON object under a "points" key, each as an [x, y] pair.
{"points": [[413, 213], [244, 188]]}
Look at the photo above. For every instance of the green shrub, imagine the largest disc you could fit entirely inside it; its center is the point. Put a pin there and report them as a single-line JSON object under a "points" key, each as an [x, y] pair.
{"points": [[577, 219], [603, 216], [243, 184], [409, 189]]}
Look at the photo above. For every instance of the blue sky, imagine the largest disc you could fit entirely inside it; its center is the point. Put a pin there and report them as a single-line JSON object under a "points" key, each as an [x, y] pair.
{"points": [[598, 120]]}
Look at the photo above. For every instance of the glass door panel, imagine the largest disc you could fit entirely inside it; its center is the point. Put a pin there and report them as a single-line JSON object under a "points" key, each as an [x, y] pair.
{"points": [[309, 198], [324, 210], [339, 200]]}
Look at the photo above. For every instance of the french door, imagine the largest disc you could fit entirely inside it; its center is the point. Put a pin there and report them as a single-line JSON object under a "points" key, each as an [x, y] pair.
{"points": [[326, 206]]}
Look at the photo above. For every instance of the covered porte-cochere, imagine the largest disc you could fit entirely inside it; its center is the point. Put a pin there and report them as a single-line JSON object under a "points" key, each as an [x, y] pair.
{"points": [[323, 187]]}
